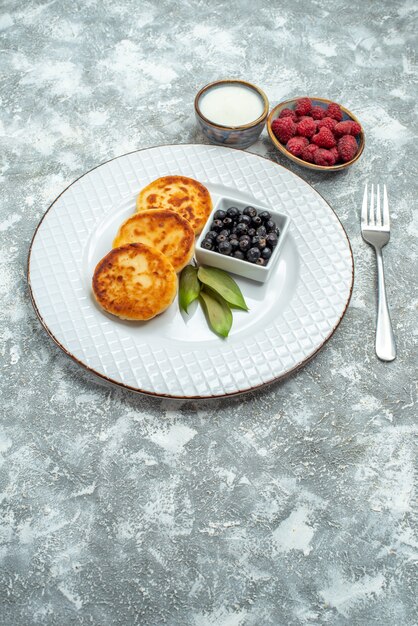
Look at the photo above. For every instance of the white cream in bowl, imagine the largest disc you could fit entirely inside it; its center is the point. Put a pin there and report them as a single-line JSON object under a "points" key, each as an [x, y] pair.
{"points": [[231, 105]]}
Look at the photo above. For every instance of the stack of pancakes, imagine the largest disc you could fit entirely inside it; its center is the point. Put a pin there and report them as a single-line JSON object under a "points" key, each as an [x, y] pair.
{"points": [[137, 280]]}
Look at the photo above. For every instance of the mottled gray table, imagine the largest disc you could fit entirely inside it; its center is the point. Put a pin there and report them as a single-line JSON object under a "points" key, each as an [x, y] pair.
{"points": [[293, 505]]}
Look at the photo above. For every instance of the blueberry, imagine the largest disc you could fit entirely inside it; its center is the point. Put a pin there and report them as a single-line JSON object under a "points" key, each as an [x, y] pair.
{"points": [[227, 222], [241, 229], [256, 221], [219, 215], [261, 261], [261, 231], [252, 232], [211, 234], [239, 255], [258, 242], [266, 253], [233, 236], [235, 244], [270, 226], [221, 239], [250, 210], [244, 219], [245, 243], [207, 244], [265, 215], [253, 254], [232, 212], [272, 240], [225, 232], [225, 247], [217, 225]]}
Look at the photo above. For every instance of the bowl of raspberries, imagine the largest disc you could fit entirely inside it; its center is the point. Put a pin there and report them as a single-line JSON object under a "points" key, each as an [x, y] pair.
{"points": [[316, 133]]}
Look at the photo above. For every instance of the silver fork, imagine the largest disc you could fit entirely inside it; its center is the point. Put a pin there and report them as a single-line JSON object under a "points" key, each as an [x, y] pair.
{"points": [[375, 228]]}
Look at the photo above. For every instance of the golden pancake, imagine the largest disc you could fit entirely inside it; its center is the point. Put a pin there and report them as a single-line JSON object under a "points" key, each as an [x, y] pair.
{"points": [[134, 282], [186, 196], [165, 230]]}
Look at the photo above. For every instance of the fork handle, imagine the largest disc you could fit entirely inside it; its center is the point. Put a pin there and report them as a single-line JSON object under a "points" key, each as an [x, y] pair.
{"points": [[385, 340]]}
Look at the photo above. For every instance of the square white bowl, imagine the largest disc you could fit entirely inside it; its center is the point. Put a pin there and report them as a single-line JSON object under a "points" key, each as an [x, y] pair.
{"points": [[237, 266]]}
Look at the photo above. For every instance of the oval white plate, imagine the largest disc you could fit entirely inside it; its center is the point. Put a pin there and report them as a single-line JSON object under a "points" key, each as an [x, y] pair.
{"points": [[290, 317]]}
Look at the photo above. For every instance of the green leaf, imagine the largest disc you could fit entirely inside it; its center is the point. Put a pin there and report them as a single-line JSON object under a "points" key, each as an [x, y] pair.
{"points": [[189, 288], [218, 313], [223, 284]]}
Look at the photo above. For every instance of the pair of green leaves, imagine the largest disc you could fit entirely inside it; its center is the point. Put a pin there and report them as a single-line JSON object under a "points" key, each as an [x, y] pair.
{"points": [[217, 293]]}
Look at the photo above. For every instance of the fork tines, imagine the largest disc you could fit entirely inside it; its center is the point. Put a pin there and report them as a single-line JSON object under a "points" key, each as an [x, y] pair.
{"points": [[371, 214]]}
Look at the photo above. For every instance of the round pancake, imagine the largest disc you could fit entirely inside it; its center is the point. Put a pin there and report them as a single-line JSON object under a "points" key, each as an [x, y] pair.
{"points": [[165, 230], [186, 196], [134, 282]]}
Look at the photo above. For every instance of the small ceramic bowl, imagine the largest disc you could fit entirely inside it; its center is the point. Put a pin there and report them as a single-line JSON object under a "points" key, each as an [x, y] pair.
{"points": [[231, 264], [347, 115], [234, 136]]}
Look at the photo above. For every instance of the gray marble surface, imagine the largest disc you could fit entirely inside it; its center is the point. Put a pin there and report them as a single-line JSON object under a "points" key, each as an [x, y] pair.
{"points": [[293, 505]]}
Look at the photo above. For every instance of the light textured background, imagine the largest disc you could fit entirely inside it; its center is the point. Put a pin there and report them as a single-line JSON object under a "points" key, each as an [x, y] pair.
{"points": [[294, 505]]}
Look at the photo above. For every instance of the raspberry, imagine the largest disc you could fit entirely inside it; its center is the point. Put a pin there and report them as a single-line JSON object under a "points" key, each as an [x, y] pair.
{"points": [[324, 157], [335, 152], [347, 147], [309, 151], [335, 112], [288, 113], [284, 129], [306, 127], [308, 117], [347, 128], [324, 139], [327, 122], [296, 145], [318, 113], [303, 106]]}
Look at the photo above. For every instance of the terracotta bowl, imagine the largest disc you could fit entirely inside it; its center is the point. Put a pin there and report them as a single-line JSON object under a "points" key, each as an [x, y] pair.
{"points": [[322, 102]]}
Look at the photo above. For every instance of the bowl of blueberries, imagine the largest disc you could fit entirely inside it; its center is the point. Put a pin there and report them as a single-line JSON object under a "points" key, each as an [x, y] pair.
{"points": [[242, 239]]}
